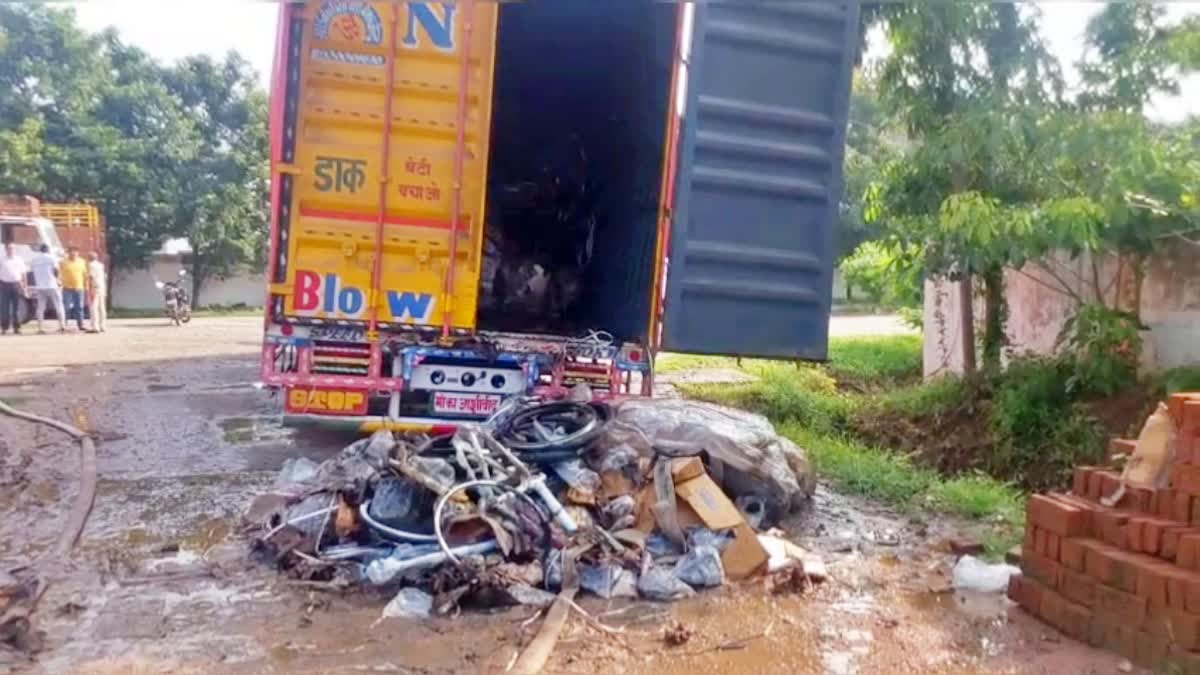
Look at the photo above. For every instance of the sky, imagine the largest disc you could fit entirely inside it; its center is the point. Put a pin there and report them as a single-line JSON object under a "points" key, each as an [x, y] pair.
{"points": [[172, 29]]}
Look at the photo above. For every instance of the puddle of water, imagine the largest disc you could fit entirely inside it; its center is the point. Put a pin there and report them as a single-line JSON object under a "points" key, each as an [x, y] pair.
{"points": [[211, 532], [968, 604], [860, 604], [44, 491], [182, 559], [248, 430], [139, 536]]}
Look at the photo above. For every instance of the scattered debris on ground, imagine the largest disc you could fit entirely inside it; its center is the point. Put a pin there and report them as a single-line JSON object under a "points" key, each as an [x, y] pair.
{"points": [[649, 499], [21, 589], [973, 574], [677, 634]]}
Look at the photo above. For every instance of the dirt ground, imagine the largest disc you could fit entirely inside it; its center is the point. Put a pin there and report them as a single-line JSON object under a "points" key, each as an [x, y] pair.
{"points": [[160, 581]]}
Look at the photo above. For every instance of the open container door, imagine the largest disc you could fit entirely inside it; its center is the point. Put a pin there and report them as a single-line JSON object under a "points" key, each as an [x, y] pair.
{"points": [[759, 178]]}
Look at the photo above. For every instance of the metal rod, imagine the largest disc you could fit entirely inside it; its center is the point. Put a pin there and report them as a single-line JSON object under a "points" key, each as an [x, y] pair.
{"points": [[464, 79], [386, 153], [385, 569]]}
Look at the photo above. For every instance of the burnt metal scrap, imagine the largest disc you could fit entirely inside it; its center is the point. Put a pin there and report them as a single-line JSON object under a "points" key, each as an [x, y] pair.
{"points": [[482, 517]]}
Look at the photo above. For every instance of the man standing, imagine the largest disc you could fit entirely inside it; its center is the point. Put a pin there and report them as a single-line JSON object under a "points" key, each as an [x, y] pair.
{"points": [[97, 292], [46, 287], [12, 289], [73, 272]]}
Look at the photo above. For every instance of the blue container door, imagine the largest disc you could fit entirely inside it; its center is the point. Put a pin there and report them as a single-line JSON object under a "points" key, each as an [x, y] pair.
{"points": [[760, 177]]}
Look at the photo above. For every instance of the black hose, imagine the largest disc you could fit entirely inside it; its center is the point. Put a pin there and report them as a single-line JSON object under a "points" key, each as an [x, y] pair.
{"points": [[85, 499]]}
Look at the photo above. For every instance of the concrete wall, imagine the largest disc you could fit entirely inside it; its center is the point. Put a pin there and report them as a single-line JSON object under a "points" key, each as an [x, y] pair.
{"points": [[943, 331], [134, 289], [1170, 306]]}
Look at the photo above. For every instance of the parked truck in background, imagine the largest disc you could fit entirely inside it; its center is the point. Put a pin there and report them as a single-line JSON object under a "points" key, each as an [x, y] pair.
{"points": [[30, 224], [474, 200], [81, 226]]}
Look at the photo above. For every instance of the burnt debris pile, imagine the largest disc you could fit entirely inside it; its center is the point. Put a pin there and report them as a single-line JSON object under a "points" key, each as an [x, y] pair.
{"points": [[650, 499]]}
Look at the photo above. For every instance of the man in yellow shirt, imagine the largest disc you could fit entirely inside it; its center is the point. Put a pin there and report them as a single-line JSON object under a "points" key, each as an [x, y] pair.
{"points": [[74, 274]]}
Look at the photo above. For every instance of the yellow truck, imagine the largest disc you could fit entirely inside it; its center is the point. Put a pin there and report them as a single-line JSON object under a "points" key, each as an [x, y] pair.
{"points": [[474, 200]]}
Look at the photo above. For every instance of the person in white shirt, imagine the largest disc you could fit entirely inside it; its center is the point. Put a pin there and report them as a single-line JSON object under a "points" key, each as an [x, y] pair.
{"points": [[47, 288], [97, 292], [12, 289]]}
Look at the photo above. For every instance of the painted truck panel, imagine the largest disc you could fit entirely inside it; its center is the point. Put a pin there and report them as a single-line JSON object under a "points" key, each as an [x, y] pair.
{"points": [[381, 124], [376, 151], [760, 177]]}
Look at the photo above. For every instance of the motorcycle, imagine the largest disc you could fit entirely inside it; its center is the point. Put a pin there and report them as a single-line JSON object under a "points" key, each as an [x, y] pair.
{"points": [[176, 304]]}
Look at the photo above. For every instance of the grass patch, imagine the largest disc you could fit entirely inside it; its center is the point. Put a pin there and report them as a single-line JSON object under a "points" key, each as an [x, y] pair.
{"points": [[1183, 378], [805, 395], [673, 363], [869, 472], [891, 478], [855, 363], [968, 447], [981, 497], [935, 397], [879, 361]]}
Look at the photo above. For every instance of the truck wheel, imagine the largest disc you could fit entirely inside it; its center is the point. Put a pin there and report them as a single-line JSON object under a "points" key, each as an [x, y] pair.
{"points": [[25, 312]]}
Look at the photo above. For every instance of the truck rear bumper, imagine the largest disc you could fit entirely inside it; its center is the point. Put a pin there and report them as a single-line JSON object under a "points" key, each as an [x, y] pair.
{"points": [[373, 423]]}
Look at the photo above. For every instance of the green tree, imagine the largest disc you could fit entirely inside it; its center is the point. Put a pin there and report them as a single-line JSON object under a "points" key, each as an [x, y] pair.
{"points": [[223, 209], [870, 143], [969, 81], [177, 151], [1116, 184], [1184, 43], [86, 118], [1129, 57]]}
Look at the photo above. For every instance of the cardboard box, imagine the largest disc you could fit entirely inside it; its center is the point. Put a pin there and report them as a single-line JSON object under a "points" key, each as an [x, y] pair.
{"points": [[744, 556], [686, 468], [700, 501]]}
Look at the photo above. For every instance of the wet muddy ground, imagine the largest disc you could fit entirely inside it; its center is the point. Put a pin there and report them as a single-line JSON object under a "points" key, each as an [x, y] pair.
{"points": [[160, 581]]}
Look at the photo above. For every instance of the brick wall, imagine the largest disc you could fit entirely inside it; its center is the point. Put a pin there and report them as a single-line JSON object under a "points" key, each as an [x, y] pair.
{"points": [[1125, 578]]}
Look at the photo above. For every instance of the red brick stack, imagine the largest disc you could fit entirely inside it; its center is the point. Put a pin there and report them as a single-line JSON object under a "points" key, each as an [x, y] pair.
{"points": [[1125, 578]]}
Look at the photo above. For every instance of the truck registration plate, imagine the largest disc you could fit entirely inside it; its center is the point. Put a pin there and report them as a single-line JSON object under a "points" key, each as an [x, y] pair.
{"points": [[477, 405], [339, 333]]}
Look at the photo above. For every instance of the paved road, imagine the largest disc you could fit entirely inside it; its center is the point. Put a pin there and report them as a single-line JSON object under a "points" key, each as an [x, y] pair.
{"points": [[870, 324], [130, 340]]}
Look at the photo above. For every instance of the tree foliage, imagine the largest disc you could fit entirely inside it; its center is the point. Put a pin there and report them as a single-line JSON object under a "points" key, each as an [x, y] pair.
{"points": [[969, 82], [870, 143], [1129, 57], [885, 275], [224, 210], [1003, 169], [85, 117]]}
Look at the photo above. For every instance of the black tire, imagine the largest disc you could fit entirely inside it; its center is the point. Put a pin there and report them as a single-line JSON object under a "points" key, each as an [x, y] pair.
{"points": [[583, 423], [25, 311]]}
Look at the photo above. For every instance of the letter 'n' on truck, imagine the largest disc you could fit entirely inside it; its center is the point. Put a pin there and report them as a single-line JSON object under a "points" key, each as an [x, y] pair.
{"points": [[474, 200]]}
